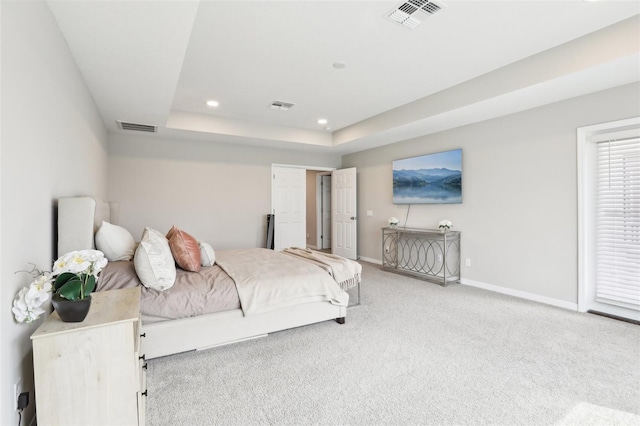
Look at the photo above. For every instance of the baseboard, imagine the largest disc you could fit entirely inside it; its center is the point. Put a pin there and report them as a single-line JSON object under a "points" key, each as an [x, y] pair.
{"points": [[521, 294], [504, 290], [370, 260], [312, 247]]}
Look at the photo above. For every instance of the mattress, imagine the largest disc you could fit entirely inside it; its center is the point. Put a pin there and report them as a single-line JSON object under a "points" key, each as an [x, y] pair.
{"points": [[253, 280]]}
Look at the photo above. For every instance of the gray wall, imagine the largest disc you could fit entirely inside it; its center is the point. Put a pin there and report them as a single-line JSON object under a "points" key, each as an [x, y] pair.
{"points": [[219, 193], [53, 144], [519, 213]]}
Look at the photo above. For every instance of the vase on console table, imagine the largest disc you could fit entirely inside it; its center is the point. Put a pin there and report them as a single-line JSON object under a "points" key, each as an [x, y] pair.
{"points": [[445, 225]]}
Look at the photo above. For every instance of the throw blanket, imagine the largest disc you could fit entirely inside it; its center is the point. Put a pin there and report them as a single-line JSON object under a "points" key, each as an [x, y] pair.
{"points": [[267, 280], [347, 273]]}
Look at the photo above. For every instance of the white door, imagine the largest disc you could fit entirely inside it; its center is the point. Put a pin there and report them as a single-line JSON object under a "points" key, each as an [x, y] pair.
{"points": [[343, 213], [609, 224], [289, 206], [326, 212]]}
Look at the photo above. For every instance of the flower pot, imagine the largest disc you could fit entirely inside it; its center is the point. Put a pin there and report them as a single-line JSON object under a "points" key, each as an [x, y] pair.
{"points": [[71, 310]]}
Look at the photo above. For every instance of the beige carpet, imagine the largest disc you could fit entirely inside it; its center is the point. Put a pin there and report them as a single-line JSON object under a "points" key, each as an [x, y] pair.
{"points": [[413, 353]]}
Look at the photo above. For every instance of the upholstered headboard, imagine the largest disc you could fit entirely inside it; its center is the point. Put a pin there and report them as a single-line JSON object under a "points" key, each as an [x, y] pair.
{"points": [[78, 220]]}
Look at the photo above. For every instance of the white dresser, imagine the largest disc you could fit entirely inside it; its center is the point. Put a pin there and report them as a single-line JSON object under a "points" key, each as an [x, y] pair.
{"points": [[91, 372]]}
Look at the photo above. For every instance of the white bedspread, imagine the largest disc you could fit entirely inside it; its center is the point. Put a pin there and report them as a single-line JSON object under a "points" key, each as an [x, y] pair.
{"points": [[347, 273], [268, 280]]}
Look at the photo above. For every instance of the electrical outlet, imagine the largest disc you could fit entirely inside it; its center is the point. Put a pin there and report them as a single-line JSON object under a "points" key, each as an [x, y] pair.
{"points": [[23, 400], [467, 262], [386, 249], [17, 390], [440, 258]]}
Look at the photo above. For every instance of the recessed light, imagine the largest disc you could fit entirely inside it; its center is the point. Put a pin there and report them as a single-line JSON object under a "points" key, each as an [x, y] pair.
{"points": [[213, 103], [323, 121], [339, 65]]}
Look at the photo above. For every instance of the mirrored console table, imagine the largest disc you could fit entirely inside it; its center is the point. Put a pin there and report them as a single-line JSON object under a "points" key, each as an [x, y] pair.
{"points": [[429, 254]]}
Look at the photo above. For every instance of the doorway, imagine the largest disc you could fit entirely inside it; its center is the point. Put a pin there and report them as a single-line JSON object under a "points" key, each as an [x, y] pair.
{"points": [[319, 210], [289, 202], [294, 204], [608, 227]]}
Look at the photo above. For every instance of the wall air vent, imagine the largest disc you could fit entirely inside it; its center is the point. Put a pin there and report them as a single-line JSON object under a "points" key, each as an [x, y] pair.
{"points": [[280, 105], [411, 13], [137, 127]]}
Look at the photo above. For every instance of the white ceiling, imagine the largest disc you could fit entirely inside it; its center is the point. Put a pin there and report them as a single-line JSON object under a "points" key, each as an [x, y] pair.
{"points": [[158, 62]]}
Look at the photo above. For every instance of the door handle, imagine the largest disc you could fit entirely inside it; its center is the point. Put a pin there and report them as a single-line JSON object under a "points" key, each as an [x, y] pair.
{"points": [[353, 218]]}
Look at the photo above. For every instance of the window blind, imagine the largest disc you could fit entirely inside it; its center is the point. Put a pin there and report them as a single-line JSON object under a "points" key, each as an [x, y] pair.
{"points": [[618, 223]]}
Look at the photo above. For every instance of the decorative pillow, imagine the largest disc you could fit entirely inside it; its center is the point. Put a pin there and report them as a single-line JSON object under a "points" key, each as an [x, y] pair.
{"points": [[207, 255], [185, 249], [154, 262], [171, 232], [115, 242]]}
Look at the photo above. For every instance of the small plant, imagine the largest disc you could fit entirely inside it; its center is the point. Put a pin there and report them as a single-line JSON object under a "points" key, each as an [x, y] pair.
{"points": [[445, 225], [77, 272], [73, 278]]}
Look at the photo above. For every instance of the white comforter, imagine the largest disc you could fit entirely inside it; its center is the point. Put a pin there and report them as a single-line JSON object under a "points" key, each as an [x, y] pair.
{"points": [[268, 280]]}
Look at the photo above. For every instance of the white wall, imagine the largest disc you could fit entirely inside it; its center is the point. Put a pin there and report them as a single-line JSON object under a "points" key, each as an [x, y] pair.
{"points": [[53, 144], [219, 193], [519, 213]]}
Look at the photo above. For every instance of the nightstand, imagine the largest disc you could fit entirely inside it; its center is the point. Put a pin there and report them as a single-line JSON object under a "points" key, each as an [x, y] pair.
{"points": [[91, 372]]}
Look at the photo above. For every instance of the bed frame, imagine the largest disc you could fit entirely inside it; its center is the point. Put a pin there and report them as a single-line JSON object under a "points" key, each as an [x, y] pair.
{"points": [[80, 217]]}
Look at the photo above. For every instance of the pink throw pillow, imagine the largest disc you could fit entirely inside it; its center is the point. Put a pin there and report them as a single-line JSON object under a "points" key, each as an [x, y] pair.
{"points": [[185, 249]]}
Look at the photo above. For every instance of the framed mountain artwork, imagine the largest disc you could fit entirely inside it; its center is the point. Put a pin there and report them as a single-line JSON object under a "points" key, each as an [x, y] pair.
{"points": [[428, 179]]}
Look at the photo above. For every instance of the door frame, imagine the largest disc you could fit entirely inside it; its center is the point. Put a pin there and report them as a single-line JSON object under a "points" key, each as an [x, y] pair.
{"points": [[319, 212]]}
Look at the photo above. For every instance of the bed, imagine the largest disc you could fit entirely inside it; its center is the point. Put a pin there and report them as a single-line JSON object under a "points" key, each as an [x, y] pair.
{"points": [[78, 220]]}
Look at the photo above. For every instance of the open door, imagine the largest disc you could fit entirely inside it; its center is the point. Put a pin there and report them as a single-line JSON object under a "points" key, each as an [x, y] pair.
{"points": [[343, 213], [289, 207]]}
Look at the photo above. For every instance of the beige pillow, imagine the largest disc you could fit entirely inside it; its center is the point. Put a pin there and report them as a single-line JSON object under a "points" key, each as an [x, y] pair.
{"points": [[154, 262], [207, 255], [115, 242], [185, 249]]}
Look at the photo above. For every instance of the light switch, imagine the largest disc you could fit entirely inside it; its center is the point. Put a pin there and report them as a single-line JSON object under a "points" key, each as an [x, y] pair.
{"points": [[369, 213]]}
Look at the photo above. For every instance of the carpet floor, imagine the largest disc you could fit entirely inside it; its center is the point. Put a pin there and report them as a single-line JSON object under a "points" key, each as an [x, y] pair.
{"points": [[413, 353]]}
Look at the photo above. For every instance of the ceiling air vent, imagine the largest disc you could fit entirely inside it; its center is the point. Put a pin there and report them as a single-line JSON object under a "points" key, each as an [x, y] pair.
{"points": [[411, 13], [282, 106], [137, 127]]}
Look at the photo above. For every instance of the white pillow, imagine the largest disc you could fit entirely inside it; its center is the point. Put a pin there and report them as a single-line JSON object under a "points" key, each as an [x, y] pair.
{"points": [[207, 255], [154, 262], [115, 242]]}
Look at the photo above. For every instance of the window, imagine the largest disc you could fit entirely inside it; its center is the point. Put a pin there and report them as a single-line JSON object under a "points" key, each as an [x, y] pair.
{"points": [[618, 222], [609, 218]]}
